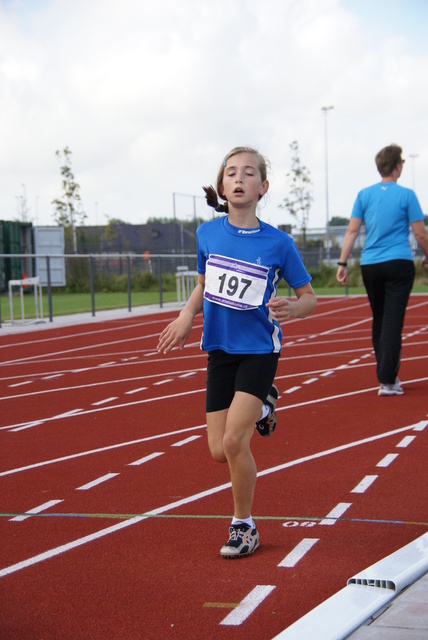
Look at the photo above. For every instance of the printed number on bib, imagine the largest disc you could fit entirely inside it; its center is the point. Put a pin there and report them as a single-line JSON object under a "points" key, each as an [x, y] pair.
{"points": [[235, 283]]}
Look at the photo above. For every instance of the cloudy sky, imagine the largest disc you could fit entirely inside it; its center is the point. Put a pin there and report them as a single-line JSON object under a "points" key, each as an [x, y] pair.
{"points": [[149, 95]]}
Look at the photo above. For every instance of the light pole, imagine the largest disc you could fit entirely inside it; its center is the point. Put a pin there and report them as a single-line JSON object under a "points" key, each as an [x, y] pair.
{"points": [[325, 110], [413, 156]]}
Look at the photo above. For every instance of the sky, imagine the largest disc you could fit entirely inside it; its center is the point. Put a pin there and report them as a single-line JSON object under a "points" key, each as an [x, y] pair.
{"points": [[149, 96]]}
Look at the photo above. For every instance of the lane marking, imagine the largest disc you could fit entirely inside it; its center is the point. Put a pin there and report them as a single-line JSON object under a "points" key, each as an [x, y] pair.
{"points": [[292, 389], [105, 401], [152, 456], [310, 381], [247, 606], [169, 507], [298, 552], [386, 461], [96, 482], [405, 442], [42, 507], [128, 393], [332, 517], [364, 484], [20, 384], [186, 441], [99, 450]]}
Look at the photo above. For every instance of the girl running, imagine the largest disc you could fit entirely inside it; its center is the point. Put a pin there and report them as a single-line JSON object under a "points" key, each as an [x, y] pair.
{"points": [[240, 261]]}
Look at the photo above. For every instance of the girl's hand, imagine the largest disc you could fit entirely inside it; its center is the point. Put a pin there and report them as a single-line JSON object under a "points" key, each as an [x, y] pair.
{"points": [[175, 334], [280, 308]]}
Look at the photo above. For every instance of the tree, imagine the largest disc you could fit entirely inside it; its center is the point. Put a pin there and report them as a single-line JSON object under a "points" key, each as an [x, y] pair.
{"points": [[68, 209], [338, 221], [299, 203]]}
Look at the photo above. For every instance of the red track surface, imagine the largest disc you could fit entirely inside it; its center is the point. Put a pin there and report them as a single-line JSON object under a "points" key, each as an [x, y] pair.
{"points": [[87, 403]]}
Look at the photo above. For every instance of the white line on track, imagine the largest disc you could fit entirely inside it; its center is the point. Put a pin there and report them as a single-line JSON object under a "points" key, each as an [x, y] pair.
{"points": [[94, 483], [186, 441], [248, 605], [332, 517], [386, 461], [298, 552], [105, 401], [364, 484], [152, 456], [39, 509], [405, 442], [51, 553]]}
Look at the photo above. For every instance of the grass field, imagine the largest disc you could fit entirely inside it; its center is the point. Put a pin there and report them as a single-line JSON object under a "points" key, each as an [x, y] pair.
{"points": [[67, 303]]}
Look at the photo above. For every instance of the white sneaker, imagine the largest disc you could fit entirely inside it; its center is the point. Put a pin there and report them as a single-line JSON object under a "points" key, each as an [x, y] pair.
{"points": [[391, 389]]}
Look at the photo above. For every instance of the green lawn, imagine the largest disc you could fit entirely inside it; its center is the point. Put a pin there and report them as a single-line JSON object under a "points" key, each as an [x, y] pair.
{"points": [[67, 303]]}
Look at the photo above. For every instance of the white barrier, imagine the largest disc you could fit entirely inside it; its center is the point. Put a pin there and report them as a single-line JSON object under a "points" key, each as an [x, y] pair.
{"points": [[38, 300], [186, 282]]}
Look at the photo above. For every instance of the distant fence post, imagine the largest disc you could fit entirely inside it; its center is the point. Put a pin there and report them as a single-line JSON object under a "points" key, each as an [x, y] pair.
{"points": [[48, 274], [128, 280], [160, 282], [91, 272]]}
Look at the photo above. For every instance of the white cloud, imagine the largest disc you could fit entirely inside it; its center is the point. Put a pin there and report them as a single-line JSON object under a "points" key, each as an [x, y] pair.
{"points": [[149, 96]]}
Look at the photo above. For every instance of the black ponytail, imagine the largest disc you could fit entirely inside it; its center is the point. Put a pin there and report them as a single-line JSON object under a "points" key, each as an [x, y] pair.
{"points": [[212, 200]]}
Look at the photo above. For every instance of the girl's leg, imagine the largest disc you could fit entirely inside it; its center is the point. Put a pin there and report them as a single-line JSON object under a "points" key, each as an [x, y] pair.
{"points": [[243, 413], [229, 436]]}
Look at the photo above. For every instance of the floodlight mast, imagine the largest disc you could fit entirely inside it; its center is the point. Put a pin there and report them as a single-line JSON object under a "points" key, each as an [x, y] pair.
{"points": [[325, 111]]}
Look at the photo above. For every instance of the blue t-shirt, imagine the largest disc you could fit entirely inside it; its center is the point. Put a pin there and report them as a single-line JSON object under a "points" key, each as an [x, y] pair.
{"points": [[242, 269], [386, 209]]}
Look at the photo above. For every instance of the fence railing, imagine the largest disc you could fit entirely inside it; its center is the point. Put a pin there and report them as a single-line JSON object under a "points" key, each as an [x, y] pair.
{"points": [[98, 272]]}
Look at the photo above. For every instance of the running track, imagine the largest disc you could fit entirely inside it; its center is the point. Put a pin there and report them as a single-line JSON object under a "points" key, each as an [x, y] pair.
{"points": [[113, 512]]}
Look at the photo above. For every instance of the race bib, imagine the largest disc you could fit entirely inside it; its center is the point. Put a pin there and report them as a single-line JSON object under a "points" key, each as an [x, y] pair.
{"points": [[234, 283]]}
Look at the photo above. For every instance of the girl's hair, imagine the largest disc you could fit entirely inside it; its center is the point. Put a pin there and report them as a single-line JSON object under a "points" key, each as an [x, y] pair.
{"points": [[212, 195], [388, 158]]}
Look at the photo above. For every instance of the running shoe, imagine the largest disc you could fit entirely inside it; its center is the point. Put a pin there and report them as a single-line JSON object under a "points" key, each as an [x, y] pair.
{"points": [[243, 541], [267, 425], [391, 389]]}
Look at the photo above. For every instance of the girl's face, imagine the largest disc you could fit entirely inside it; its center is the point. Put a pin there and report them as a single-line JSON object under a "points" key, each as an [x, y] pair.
{"points": [[242, 183]]}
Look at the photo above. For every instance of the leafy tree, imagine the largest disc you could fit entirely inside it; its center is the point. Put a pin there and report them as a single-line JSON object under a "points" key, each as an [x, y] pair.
{"points": [[338, 221], [68, 208], [298, 204]]}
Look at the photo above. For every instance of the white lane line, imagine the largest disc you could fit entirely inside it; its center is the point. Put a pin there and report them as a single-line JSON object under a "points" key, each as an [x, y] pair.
{"points": [[157, 384], [364, 484], [292, 389], [420, 426], [310, 381], [52, 553], [246, 607], [94, 483], [129, 393], [386, 461], [186, 441], [298, 552], [105, 401], [187, 375], [28, 425], [152, 456], [42, 507], [54, 375], [406, 441], [327, 373], [20, 384], [332, 517], [107, 364]]}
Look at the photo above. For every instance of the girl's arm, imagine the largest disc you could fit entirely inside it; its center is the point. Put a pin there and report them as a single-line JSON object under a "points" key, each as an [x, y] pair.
{"points": [[177, 332], [283, 309]]}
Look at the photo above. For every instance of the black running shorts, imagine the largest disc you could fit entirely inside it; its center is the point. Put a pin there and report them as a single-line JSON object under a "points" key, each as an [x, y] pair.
{"points": [[227, 373]]}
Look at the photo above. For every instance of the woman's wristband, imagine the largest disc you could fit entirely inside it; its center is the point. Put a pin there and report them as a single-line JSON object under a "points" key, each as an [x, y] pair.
{"points": [[342, 264]]}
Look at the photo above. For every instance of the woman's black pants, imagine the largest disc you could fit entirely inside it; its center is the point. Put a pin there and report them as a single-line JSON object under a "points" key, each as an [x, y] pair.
{"points": [[388, 286]]}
